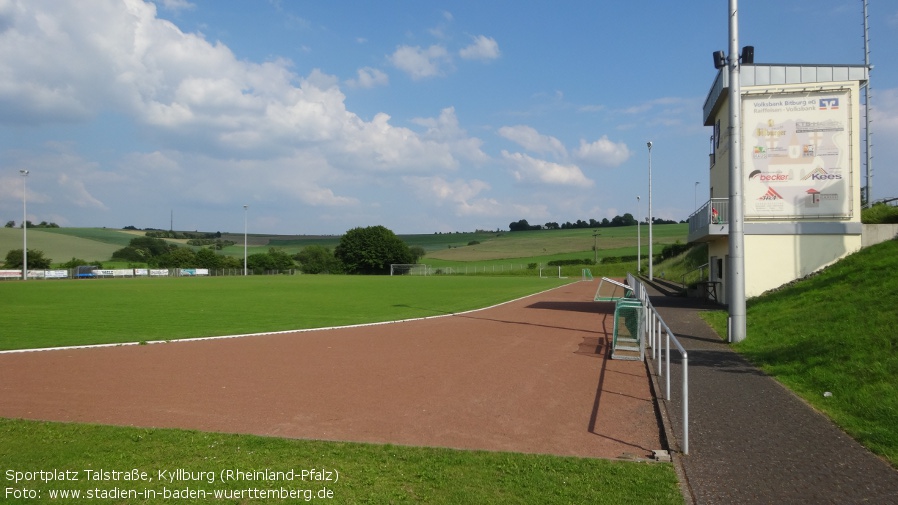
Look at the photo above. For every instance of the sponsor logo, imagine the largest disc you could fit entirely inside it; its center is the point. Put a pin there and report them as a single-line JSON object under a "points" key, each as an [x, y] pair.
{"points": [[829, 103], [808, 150], [768, 132], [818, 174], [815, 197], [759, 152], [771, 194], [768, 176]]}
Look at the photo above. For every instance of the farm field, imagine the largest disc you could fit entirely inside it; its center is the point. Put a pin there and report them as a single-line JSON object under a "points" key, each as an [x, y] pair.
{"points": [[559, 244], [491, 248], [61, 246]]}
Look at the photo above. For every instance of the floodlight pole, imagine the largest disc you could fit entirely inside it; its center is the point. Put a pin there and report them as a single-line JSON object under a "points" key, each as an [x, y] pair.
{"points": [[651, 272], [24, 226], [595, 247], [638, 239], [244, 239], [695, 197], [736, 282], [867, 139]]}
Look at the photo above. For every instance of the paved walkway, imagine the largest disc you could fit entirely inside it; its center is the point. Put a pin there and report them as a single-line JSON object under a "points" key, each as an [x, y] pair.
{"points": [[753, 441]]}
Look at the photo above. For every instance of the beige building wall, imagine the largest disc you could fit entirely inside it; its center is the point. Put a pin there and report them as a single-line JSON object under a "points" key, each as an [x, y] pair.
{"points": [[772, 260]]}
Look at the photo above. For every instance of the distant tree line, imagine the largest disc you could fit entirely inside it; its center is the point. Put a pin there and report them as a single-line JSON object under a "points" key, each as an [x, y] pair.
{"points": [[183, 234], [29, 224], [625, 220], [368, 250]]}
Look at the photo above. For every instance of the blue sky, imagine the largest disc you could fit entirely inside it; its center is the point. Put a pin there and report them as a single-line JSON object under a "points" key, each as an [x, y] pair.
{"points": [[420, 116]]}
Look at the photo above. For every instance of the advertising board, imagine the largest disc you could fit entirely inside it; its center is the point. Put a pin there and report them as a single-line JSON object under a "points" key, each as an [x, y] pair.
{"points": [[797, 155]]}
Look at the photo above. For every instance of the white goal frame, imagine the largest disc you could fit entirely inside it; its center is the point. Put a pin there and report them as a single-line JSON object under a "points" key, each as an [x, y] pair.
{"points": [[409, 269], [550, 272]]}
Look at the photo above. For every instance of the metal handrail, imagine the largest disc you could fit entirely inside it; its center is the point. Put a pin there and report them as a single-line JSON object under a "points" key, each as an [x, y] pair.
{"points": [[701, 274], [654, 326]]}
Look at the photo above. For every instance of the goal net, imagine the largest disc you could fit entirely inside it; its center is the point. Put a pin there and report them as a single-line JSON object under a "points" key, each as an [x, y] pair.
{"points": [[611, 290], [409, 269]]}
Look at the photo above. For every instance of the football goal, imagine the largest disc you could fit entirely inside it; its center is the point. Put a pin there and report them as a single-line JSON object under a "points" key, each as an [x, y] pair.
{"points": [[409, 269], [550, 272], [611, 290]]}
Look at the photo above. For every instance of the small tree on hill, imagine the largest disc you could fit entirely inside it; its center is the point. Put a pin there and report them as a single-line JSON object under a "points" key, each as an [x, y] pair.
{"points": [[36, 259], [371, 250]]}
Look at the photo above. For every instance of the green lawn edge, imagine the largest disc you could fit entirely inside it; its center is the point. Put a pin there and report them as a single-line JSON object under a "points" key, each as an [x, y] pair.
{"points": [[359, 473]]}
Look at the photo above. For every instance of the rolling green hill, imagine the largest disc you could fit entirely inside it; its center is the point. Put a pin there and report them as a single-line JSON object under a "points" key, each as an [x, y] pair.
{"points": [[472, 248], [63, 244]]}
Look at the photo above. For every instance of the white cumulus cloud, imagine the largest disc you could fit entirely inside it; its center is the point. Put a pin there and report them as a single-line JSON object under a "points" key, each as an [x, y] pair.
{"points": [[368, 78], [420, 63], [602, 152], [525, 168], [483, 48], [531, 140]]}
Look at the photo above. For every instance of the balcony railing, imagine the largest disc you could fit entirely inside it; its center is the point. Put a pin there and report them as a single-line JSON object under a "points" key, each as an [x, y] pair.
{"points": [[715, 211]]}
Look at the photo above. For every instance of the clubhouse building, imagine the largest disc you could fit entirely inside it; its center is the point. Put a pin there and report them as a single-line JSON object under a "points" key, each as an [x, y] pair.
{"points": [[801, 163]]}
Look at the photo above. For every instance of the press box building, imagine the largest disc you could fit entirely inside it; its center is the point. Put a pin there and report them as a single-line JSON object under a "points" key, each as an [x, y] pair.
{"points": [[801, 167]]}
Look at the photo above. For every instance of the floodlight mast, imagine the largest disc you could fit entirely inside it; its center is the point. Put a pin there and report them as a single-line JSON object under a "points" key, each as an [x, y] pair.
{"points": [[651, 272], [736, 281], [867, 134], [24, 226], [244, 239]]}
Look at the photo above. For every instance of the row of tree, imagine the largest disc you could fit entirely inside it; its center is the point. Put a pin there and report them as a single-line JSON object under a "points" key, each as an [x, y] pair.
{"points": [[29, 224], [368, 250], [625, 220]]}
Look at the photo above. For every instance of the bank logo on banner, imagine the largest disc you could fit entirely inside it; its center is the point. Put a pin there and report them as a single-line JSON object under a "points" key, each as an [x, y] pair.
{"points": [[829, 103]]}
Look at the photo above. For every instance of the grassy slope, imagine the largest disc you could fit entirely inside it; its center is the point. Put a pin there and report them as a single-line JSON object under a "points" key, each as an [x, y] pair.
{"points": [[836, 332], [62, 244], [552, 243]]}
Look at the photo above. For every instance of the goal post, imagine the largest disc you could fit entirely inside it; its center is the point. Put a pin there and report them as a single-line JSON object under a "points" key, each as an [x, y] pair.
{"points": [[409, 269], [553, 272]]}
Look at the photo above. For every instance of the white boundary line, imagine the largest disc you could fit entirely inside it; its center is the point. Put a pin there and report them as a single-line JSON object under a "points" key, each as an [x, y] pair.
{"points": [[304, 330]]}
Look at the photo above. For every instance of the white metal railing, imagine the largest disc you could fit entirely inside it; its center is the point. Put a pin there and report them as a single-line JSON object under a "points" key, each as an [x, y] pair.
{"points": [[654, 326]]}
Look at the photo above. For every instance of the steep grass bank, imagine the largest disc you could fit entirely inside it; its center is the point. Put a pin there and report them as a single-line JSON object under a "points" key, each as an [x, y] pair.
{"points": [[835, 332]]}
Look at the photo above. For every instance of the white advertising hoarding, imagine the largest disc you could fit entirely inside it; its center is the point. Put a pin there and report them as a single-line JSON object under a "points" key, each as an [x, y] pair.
{"points": [[797, 155]]}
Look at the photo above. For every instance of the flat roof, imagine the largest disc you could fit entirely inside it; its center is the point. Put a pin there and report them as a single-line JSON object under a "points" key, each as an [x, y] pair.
{"points": [[774, 74]]}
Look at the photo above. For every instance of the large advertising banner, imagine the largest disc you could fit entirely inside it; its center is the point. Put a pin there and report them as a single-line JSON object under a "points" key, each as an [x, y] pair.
{"points": [[797, 155]]}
